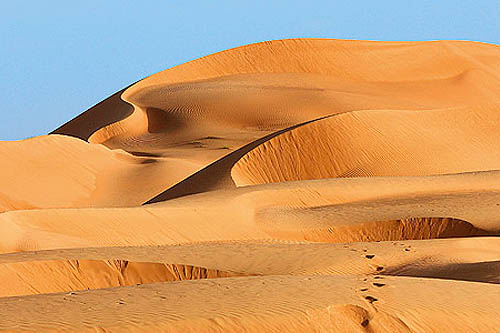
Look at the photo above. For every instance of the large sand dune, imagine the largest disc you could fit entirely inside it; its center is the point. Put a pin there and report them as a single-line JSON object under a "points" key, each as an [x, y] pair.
{"points": [[293, 185]]}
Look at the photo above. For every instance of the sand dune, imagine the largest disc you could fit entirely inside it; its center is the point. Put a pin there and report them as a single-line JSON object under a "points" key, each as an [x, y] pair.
{"points": [[107, 112], [294, 185], [369, 209], [468, 259], [59, 171], [265, 304], [381, 143], [42, 277], [209, 103]]}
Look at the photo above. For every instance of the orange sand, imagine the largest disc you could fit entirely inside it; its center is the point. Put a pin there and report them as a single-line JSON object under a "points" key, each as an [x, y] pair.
{"points": [[294, 185]]}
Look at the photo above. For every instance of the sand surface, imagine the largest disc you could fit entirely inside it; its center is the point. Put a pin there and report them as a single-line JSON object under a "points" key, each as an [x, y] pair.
{"points": [[306, 185]]}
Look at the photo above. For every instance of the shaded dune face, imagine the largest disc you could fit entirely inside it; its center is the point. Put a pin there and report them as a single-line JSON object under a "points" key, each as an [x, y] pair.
{"points": [[107, 112], [294, 185]]}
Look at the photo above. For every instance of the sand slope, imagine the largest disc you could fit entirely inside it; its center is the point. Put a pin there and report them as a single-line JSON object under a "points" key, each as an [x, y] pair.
{"points": [[295, 185], [381, 143], [322, 303], [59, 171], [369, 209], [468, 259]]}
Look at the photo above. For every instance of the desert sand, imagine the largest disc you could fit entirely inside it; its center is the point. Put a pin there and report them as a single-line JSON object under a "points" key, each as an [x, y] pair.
{"points": [[303, 185]]}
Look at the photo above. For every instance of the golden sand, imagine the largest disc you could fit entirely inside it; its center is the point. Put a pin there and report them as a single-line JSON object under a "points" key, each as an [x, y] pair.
{"points": [[295, 185]]}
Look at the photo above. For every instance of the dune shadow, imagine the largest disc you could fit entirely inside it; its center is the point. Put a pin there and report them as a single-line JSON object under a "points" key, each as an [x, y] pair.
{"points": [[488, 271], [217, 174], [104, 113]]}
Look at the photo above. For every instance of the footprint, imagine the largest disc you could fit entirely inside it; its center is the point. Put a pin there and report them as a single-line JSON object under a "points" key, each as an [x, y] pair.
{"points": [[370, 256], [371, 299], [376, 284]]}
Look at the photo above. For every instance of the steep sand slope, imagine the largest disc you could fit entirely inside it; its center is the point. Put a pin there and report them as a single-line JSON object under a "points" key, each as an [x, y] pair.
{"points": [[378, 143], [107, 112], [359, 143], [300, 80], [295, 185], [210, 102], [374, 149]]}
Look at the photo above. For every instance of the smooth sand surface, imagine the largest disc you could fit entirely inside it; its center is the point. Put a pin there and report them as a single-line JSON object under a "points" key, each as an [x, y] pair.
{"points": [[295, 185], [61, 171]]}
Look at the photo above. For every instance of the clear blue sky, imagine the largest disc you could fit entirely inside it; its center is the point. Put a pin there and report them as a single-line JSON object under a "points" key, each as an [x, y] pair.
{"points": [[58, 58]]}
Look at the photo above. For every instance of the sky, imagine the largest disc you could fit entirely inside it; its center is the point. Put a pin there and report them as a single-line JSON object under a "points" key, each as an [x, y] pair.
{"points": [[58, 58]]}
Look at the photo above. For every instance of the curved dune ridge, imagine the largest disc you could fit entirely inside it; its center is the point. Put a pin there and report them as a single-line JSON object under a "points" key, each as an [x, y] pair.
{"points": [[292, 185]]}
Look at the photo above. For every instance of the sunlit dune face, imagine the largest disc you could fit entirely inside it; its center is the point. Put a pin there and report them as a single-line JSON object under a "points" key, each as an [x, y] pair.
{"points": [[378, 143], [269, 101], [306, 185]]}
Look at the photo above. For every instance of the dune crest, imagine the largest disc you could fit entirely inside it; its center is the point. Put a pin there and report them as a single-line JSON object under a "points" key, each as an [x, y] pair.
{"points": [[297, 185]]}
